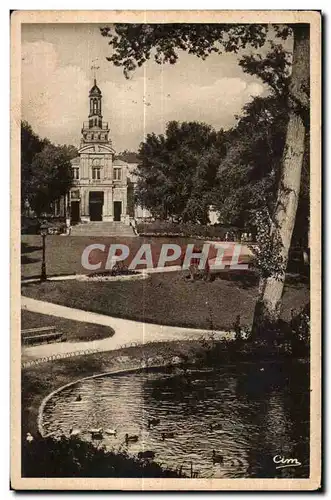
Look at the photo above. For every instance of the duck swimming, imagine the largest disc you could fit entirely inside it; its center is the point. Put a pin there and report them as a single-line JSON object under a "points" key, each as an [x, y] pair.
{"points": [[146, 455], [96, 433], [111, 432], [167, 435], [131, 439], [74, 432], [152, 422], [217, 458]]}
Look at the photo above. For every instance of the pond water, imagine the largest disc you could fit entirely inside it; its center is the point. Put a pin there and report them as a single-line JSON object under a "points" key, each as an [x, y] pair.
{"points": [[259, 412]]}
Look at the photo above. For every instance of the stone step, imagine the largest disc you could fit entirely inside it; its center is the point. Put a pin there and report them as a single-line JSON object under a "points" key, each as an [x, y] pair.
{"points": [[102, 229]]}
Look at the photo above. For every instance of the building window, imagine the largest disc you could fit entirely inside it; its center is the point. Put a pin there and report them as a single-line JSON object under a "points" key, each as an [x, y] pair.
{"points": [[74, 195], [75, 172], [96, 173], [117, 174]]}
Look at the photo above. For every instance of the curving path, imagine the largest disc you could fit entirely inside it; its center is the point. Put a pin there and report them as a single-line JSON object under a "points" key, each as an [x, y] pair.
{"points": [[126, 331]]}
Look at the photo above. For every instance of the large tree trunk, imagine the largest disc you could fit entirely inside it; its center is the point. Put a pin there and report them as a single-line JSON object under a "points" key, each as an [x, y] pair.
{"points": [[268, 305]]}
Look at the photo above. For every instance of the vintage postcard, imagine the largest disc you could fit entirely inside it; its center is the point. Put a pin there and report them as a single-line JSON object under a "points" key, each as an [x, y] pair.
{"points": [[166, 239]]}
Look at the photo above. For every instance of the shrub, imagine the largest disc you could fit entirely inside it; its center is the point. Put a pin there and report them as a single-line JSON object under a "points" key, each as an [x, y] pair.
{"points": [[165, 228], [73, 457], [285, 339], [119, 269]]}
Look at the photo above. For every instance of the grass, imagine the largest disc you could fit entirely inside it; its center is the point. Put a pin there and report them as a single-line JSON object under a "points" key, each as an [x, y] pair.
{"points": [[169, 299], [64, 253], [75, 331]]}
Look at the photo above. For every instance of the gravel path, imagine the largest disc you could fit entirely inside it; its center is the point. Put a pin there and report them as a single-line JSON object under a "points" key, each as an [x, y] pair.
{"points": [[127, 332]]}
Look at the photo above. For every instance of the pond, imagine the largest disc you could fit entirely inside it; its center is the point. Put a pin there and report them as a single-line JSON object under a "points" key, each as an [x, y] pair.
{"points": [[248, 414]]}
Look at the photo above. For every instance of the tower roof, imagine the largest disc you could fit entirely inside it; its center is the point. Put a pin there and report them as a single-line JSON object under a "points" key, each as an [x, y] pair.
{"points": [[119, 163], [95, 89]]}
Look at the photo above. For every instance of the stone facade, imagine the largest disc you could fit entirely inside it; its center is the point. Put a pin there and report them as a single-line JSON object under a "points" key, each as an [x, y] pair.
{"points": [[101, 184]]}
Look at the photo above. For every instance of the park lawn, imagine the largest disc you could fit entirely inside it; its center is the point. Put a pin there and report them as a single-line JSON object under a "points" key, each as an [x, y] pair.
{"points": [[75, 331], [169, 299], [64, 253]]}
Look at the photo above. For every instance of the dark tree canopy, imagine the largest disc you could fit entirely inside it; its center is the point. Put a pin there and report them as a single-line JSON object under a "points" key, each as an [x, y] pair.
{"points": [[31, 145], [177, 170], [45, 170], [134, 44], [128, 156], [248, 174]]}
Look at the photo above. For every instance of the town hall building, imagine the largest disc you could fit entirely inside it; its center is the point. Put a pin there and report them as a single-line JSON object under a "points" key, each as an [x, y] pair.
{"points": [[103, 187]]}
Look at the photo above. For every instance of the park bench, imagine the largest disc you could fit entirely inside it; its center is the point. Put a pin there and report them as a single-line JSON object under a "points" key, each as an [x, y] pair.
{"points": [[42, 335]]}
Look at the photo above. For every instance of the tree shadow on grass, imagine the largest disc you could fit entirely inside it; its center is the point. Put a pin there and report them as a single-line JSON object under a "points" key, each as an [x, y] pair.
{"points": [[29, 260], [245, 280], [297, 280], [250, 279], [25, 248]]}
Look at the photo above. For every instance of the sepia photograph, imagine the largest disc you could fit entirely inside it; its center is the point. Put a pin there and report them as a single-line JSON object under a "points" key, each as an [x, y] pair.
{"points": [[166, 238]]}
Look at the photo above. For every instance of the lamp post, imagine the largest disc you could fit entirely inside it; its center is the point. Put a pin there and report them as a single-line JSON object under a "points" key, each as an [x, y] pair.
{"points": [[43, 232]]}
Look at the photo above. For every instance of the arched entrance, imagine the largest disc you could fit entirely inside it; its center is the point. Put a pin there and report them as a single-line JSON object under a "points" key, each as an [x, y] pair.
{"points": [[74, 212], [96, 205]]}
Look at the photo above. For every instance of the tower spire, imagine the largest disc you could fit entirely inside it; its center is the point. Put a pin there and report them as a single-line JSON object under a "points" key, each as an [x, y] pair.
{"points": [[94, 68]]}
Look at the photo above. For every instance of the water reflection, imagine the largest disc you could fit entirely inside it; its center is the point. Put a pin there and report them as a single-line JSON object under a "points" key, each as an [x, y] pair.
{"points": [[248, 415]]}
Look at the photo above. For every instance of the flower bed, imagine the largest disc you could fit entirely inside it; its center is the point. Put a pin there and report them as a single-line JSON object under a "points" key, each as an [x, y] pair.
{"points": [[170, 229]]}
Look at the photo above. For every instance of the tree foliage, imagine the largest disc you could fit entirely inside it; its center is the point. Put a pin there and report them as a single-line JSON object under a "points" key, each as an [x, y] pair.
{"points": [[134, 44], [249, 172], [128, 156], [31, 145], [45, 170], [287, 78], [177, 171], [248, 175]]}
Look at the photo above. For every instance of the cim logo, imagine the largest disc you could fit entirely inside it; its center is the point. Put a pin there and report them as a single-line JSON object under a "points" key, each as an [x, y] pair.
{"points": [[211, 256]]}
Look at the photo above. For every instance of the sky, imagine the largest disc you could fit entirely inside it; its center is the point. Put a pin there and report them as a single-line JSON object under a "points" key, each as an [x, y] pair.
{"points": [[57, 75]]}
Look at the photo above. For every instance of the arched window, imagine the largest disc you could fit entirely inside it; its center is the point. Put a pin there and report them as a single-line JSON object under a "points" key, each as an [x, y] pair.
{"points": [[75, 171], [96, 169], [117, 173], [95, 106]]}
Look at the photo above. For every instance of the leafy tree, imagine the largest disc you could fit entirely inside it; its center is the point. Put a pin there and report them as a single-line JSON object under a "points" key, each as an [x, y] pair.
{"points": [[52, 177], [177, 170], [45, 170], [133, 44], [249, 172], [70, 150], [268, 306], [128, 156], [31, 145]]}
